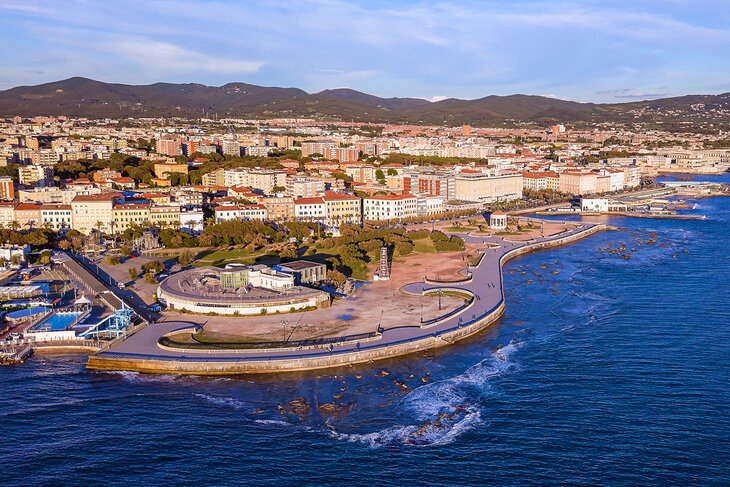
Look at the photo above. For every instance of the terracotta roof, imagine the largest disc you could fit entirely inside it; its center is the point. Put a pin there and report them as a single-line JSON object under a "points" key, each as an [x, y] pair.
{"points": [[309, 201]]}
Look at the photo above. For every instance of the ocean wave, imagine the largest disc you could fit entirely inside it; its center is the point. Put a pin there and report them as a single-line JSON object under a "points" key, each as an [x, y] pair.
{"points": [[445, 409], [277, 422], [224, 401], [138, 378]]}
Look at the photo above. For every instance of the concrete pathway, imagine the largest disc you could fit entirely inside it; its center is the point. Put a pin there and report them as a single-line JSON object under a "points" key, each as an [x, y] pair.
{"points": [[484, 283]]}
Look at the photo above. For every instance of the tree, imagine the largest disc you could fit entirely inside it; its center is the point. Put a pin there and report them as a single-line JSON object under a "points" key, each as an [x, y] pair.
{"points": [[185, 258], [392, 172], [133, 273], [336, 277], [112, 260], [45, 258], [153, 267], [379, 175]]}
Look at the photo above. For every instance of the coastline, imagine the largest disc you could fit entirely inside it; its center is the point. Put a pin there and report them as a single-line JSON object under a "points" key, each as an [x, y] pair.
{"points": [[445, 331]]}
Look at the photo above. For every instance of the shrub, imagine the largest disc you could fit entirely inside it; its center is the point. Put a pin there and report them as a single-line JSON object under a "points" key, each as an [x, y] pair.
{"points": [[439, 236]]}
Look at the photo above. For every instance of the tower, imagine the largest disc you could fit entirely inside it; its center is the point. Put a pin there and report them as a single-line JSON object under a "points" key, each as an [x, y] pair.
{"points": [[383, 272]]}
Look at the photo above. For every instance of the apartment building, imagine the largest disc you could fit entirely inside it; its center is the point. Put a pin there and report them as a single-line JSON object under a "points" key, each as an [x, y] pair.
{"points": [[485, 188], [390, 207], [279, 208], [7, 214], [310, 209], [169, 147], [35, 175], [91, 212], [126, 215], [319, 146], [7, 188], [304, 187], [240, 212], [436, 184], [28, 216], [578, 182], [165, 215], [57, 217], [342, 208]]}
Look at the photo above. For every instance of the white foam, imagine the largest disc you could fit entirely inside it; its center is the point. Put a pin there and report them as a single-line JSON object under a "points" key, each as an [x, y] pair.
{"points": [[224, 401], [445, 409], [271, 421]]}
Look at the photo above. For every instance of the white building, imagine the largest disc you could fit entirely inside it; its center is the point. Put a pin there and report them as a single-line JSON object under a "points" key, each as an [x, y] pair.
{"points": [[240, 212], [192, 220], [594, 204], [390, 207], [310, 210]]}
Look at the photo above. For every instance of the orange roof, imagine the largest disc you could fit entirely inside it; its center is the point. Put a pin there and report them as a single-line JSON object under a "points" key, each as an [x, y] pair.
{"points": [[331, 195], [97, 197], [28, 207], [403, 196], [309, 201]]}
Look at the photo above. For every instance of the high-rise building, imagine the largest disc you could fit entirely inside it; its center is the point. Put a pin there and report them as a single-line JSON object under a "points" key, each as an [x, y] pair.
{"points": [[7, 188]]}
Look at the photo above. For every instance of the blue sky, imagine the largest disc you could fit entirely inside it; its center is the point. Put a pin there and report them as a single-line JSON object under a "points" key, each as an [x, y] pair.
{"points": [[608, 51]]}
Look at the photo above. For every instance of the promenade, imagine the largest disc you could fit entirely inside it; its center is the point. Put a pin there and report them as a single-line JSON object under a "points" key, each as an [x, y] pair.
{"points": [[142, 352]]}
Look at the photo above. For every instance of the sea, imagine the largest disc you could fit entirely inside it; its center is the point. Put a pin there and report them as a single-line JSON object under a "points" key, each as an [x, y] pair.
{"points": [[611, 366]]}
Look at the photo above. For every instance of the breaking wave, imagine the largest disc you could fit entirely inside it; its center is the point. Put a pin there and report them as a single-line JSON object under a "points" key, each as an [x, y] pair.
{"points": [[442, 410], [224, 401]]}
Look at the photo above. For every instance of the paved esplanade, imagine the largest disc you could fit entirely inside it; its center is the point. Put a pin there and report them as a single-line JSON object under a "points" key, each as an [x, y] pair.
{"points": [[484, 283]]}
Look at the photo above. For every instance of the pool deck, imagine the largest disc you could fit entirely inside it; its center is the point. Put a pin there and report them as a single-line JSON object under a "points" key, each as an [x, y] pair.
{"points": [[141, 352]]}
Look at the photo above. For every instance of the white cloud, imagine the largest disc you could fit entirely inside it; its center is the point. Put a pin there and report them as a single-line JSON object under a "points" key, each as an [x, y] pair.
{"points": [[170, 58]]}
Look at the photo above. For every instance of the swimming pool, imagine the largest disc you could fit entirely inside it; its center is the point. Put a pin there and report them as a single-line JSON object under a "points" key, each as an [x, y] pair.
{"points": [[57, 321]]}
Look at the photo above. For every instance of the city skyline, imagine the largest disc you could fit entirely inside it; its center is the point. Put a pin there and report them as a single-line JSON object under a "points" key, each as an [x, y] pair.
{"points": [[583, 51]]}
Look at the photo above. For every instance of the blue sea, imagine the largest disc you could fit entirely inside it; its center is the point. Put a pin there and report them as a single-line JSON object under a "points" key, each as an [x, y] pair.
{"points": [[609, 367]]}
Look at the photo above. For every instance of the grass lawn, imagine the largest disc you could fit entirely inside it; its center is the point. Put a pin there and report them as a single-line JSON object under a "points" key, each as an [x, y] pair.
{"points": [[461, 229], [423, 246], [236, 255]]}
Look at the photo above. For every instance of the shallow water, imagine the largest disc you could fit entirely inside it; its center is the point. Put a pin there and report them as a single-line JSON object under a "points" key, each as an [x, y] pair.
{"points": [[603, 370]]}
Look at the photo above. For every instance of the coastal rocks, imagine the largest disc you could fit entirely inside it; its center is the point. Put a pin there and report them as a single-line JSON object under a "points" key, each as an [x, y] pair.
{"points": [[298, 407], [443, 422], [334, 410]]}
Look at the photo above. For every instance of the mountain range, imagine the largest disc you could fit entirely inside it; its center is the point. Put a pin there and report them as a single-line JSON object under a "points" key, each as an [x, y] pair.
{"points": [[84, 97]]}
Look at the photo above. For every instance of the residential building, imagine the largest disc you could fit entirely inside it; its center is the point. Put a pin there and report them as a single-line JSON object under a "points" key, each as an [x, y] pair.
{"points": [[310, 209], [477, 186], [91, 212], [35, 175], [279, 208], [390, 207], [192, 220], [57, 217], [128, 214], [28, 215], [163, 170], [342, 208], [7, 188], [240, 212], [578, 182], [165, 215], [304, 187]]}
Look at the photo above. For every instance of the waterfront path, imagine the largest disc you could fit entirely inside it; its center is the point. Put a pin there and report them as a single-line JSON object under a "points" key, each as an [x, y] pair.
{"points": [[483, 283]]}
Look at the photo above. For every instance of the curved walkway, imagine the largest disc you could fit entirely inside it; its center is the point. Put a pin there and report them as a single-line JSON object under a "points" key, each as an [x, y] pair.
{"points": [[141, 352]]}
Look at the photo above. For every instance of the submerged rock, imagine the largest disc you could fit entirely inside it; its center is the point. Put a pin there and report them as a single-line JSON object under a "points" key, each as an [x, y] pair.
{"points": [[297, 407]]}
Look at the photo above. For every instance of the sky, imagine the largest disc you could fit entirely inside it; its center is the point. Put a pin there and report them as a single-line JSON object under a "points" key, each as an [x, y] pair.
{"points": [[590, 50]]}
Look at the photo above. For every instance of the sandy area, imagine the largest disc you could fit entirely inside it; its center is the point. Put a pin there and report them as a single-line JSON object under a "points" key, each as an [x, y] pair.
{"points": [[359, 313]]}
